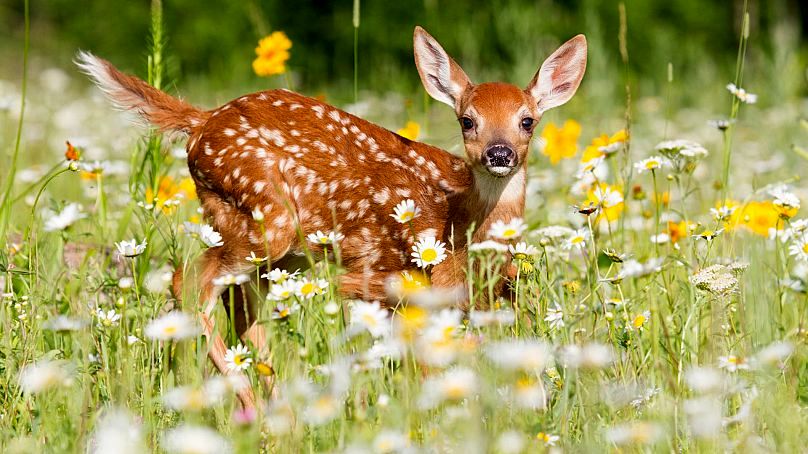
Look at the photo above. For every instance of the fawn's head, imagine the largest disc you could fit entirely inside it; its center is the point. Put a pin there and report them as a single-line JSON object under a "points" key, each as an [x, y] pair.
{"points": [[498, 119]]}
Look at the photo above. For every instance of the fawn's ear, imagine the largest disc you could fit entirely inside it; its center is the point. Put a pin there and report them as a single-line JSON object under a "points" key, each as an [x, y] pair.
{"points": [[443, 79], [560, 75]]}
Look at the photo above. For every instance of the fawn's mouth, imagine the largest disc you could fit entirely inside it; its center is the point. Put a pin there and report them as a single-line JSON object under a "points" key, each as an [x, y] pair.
{"points": [[500, 171]]}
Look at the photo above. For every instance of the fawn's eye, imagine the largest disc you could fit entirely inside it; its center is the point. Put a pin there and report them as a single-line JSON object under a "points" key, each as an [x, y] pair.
{"points": [[466, 123], [527, 123]]}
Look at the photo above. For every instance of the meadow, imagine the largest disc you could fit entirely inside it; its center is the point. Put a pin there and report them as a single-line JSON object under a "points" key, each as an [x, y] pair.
{"points": [[660, 303]]}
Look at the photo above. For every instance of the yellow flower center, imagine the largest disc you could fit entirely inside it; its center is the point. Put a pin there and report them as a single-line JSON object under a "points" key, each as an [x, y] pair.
{"points": [[639, 321], [369, 320], [407, 215], [239, 360], [170, 330], [429, 255], [543, 437], [455, 391], [577, 240], [651, 165], [509, 232], [307, 288]]}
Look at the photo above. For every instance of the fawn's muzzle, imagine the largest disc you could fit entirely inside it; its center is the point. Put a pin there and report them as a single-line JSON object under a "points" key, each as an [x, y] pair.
{"points": [[500, 160]]}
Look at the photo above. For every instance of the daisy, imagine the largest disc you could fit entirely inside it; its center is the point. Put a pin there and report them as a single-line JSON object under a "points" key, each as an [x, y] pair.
{"points": [[785, 201], [742, 94], [117, 432], [65, 218], [405, 211], [231, 279], [255, 260], [722, 124], [722, 213], [370, 317], [709, 235], [204, 233], [308, 289], [174, 325], [258, 215], [187, 439], [325, 238], [283, 311], [428, 251], [507, 231], [577, 240], [454, 385], [555, 317], [63, 323], [686, 148], [108, 318], [131, 248], [607, 197], [732, 363], [488, 245], [522, 250], [278, 275], [547, 439], [44, 375], [237, 358], [389, 441], [651, 164], [639, 321], [283, 290], [519, 355]]}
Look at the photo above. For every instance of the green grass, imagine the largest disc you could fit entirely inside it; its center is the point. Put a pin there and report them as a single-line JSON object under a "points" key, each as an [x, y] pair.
{"points": [[660, 387]]}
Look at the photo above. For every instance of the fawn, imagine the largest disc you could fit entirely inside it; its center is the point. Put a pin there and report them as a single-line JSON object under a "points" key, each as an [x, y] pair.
{"points": [[308, 166]]}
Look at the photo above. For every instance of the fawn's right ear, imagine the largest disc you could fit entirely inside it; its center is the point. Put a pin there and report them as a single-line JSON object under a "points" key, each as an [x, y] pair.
{"points": [[443, 79]]}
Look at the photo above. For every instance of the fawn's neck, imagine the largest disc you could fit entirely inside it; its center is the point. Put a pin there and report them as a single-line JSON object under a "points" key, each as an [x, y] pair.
{"points": [[490, 199]]}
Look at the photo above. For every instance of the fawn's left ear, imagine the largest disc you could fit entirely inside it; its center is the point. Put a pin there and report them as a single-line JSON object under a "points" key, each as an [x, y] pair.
{"points": [[560, 75]]}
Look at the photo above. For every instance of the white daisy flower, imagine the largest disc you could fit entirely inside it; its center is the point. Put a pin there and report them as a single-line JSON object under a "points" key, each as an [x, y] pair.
{"points": [[254, 259], [722, 213], [107, 318], [189, 439], [63, 323], [507, 231], [555, 317], [390, 441], [547, 439], [428, 251], [799, 248], [741, 94], [661, 238], [237, 358], [278, 275], [607, 197], [283, 290], [651, 164], [686, 148], [405, 211], [283, 311], [577, 240], [204, 233], [44, 375], [325, 238], [454, 385], [784, 198], [309, 288], [231, 279], [522, 250], [117, 432], [131, 248], [519, 355], [174, 325], [732, 363], [63, 219], [370, 317], [488, 245]]}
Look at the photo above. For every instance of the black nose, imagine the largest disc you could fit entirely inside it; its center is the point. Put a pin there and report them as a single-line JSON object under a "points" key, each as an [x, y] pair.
{"points": [[499, 156]]}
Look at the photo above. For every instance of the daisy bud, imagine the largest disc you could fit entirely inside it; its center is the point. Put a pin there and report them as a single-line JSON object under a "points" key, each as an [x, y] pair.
{"points": [[258, 215]]}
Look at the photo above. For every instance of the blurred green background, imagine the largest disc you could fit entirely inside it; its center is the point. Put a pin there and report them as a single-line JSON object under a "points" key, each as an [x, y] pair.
{"points": [[210, 44]]}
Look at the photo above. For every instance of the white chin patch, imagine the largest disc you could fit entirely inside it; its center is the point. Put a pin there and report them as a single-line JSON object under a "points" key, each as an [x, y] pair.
{"points": [[500, 171]]}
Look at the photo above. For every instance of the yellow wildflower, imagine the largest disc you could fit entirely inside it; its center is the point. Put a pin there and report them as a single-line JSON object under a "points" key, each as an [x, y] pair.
{"points": [[272, 52], [679, 230], [410, 130], [561, 143], [757, 217], [610, 200], [169, 190], [602, 144]]}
